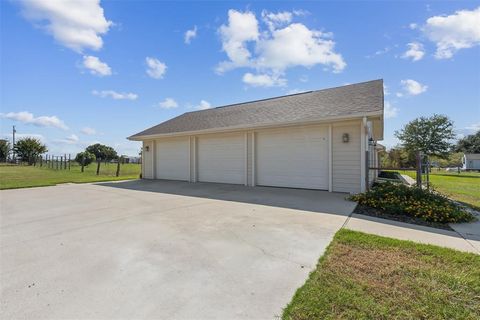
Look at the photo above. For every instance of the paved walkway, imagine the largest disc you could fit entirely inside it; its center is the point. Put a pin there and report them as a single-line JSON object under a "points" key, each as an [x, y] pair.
{"points": [[466, 237]]}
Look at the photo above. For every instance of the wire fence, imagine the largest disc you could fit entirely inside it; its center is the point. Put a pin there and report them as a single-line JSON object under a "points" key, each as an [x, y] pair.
{"points": [[422, 170], [65, 162]]}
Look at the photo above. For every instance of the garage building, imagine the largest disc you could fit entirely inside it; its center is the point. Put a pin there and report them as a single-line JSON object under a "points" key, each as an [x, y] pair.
{"points": [[314, 140]]}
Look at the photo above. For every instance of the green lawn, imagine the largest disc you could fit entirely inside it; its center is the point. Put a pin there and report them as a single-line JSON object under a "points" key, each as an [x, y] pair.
{"points": [[464, 187], [28, 176], [365, 276]]}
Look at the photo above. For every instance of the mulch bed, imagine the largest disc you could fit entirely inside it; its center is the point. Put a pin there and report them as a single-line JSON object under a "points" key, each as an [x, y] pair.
{"points": [[373, 212]]}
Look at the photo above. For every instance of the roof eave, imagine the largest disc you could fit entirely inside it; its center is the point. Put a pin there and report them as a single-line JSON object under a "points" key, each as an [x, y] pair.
{"points": [[258, 126]]}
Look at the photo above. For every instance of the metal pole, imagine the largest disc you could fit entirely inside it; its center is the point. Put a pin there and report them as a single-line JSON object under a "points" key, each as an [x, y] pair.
{"points": [[419, 169], [428, 173], [367, 185]]}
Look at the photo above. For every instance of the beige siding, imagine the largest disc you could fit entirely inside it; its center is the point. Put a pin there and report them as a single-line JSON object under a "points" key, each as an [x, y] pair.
{"points": [[346, 157], [193, 157], [249, 159], [148, 160]]}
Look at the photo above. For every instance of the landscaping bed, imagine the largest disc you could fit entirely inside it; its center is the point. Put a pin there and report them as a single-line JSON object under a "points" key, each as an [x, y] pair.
{"points": [[410, 204], [378, 213], [364, 276]]}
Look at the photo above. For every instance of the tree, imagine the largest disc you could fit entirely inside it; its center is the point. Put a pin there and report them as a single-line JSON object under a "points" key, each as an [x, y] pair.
{"points": [[397, 157], [102, 152], [469, 144], [85, 157], [4, 150], [28, 149], [432, 135]]}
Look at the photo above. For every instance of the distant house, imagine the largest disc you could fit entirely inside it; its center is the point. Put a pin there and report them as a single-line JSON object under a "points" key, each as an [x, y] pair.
{"points": [[471, 161], [132, 160]]}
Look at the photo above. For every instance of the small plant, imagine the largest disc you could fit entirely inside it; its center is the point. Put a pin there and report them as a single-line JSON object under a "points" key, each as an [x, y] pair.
{"points": [[399, 199]]}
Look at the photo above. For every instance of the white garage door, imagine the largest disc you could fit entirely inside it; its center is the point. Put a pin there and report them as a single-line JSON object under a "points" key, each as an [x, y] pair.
{"points": [[221, 158], [173, 159], [293, 157]]}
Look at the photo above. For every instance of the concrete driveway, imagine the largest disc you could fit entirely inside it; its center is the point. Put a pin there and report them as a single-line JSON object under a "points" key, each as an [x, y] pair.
{"points": [[159, 249]]}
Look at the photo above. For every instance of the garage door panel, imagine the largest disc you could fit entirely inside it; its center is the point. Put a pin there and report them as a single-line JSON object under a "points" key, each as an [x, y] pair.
{"points": [[221, 158], [173, 159], [293, 158]]}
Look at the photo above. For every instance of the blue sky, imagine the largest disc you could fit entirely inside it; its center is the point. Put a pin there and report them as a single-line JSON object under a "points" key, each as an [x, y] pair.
{"points": [[82, 72]]}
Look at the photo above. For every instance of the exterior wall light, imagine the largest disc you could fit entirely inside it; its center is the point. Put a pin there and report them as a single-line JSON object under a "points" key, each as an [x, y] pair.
{"points": [[147, 148], [345, 138]]}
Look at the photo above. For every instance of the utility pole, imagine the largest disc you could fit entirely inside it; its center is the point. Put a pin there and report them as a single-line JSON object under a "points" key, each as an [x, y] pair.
{"points": [[13, 142]]}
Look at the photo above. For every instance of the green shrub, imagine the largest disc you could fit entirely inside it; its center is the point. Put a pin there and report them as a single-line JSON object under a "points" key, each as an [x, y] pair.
{"points": [[399, 199]]}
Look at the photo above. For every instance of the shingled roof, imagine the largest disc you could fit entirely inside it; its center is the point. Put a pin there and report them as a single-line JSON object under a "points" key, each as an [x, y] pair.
{"points": [[350, 100]]}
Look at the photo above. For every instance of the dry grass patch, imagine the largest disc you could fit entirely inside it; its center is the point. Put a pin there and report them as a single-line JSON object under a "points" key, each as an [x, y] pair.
{"points": [[369, 277]]}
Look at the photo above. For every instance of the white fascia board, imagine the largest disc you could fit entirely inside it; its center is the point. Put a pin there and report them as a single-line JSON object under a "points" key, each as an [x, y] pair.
{"points": [[259, 126]]}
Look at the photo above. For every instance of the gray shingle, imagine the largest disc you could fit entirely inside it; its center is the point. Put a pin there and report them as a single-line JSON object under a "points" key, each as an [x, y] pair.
{"points": [[350, 100]]}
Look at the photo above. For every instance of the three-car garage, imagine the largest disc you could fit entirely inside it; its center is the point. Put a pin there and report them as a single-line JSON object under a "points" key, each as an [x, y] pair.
{"points": [[314, 140]]}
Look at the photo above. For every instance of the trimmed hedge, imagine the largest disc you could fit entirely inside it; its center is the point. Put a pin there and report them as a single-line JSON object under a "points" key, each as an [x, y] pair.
{"points": [[399, 199]]}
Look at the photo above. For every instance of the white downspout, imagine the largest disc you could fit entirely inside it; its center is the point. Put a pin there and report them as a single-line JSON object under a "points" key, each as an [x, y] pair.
{"points": [[363, 149]]}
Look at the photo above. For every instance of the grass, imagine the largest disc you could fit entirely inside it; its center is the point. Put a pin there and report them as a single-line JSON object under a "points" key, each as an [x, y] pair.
{"points": [[12, 177], [463, 187], [364, 276]]}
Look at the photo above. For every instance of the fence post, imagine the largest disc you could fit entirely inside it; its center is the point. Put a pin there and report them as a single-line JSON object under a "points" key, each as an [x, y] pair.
{"points": [[118, 167], [419, 169], [428, 173], [69, 161], [98, 167]]}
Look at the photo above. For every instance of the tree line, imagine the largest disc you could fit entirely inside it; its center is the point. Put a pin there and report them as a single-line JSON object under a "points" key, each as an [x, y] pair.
{"points": [[433, 136], [29, 149]]}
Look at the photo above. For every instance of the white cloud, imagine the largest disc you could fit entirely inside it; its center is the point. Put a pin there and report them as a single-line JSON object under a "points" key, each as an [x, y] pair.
{"points": [[460, 30], [263, 80], [379, 52], [115, 95], [76, 24], [276, 20], [203, 105], [412, 87], [385, 90], [168, 103], [474, 127], [390, 111], [96, 67], [19, 136], [295, 91], [88, 131], [413, 26], [415, 51], [29, 118], [155, 68], [73, 138], [242, 27], [281, 46], [190, 34], [296, 45]]}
